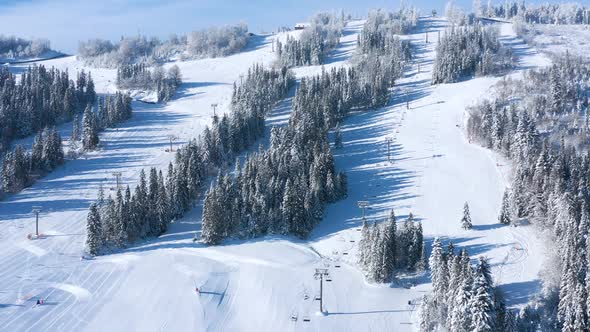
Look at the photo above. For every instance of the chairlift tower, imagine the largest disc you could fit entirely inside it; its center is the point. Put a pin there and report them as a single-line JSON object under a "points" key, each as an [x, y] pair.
{"points": [[320, 273], [36, 210], [363, 205], [117, 176], [214, 106], [172, 138], [389, 140]]}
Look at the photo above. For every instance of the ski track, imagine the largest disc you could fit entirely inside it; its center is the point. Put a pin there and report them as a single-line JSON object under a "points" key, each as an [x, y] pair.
{"points": [[150, 286]]}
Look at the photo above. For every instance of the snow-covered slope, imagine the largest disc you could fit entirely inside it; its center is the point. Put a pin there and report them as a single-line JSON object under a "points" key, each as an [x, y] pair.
{"points": [[32, 269], [260, 284]]}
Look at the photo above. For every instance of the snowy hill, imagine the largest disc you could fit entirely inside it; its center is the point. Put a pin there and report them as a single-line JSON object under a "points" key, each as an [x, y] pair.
{"points": [[267, 284]]}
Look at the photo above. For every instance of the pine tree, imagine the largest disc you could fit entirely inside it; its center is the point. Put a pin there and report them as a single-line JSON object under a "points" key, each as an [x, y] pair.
{"points": [[461, 313], [438, 270], [481, 306], [90, 134], [466, 220], [364, 247], [90, 93], [162, 208], [391, 243], [213, 227], [422, 264], [76, 129], [94, 231], [504, 217]]}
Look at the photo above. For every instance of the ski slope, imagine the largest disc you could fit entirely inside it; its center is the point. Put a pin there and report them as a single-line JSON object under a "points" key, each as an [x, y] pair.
{"points": [[264, 284]]}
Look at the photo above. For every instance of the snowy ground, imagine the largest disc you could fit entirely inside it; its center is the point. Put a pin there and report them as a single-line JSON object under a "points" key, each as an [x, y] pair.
{"points": [[258, 285], [557, 39]]}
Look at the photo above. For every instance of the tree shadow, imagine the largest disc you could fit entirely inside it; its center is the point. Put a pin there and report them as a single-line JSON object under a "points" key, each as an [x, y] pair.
{"points": [[368, 312]]}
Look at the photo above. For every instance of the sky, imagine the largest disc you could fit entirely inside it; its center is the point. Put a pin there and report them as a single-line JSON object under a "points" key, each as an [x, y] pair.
{"points": [[66, 22]]}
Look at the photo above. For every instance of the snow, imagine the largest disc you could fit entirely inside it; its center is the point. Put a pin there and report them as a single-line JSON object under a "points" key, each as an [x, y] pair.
{"points": [[557, 39], [259, 284]]}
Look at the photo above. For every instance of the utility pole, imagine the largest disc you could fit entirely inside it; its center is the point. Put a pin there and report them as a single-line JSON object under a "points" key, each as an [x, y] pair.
{"points": [[241, 79], [388, 140], [319, 274], [363, 205], [117, 176], [172, 138], [36, 210]]}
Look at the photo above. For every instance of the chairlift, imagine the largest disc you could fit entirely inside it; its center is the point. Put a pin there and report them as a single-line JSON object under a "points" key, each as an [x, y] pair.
{"points": [[305, 296], [294, 317], [358, 229], [352, 241], [344, 253], [317, 297], [328, 278], [337, 266], [306, 319]]}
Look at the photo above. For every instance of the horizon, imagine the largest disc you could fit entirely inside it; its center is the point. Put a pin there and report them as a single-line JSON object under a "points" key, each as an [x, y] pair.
{"points": [[72, 22]]}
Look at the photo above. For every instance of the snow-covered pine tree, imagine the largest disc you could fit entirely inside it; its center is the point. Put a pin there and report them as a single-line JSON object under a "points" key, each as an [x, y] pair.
{"points": [[90, 133], [213, 227], [94, 231], [391, 243], [482, 319], [364, 247], [466, 219], [76, 129], [460, 316], [438, 271], [504, 217]]}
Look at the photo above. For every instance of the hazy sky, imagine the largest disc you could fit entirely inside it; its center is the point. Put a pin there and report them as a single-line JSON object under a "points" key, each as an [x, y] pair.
{"points": [[65, 22]]}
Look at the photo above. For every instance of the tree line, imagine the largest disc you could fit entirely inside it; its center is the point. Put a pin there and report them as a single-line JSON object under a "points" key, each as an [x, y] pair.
{"points": [[540, 123], [469, 50], [314, 43], [381, 54], [546, 13], [156, 202], [381, 29], [463, 297], [21, 168], [212, 42], [284, 189], [385, 249], [42, 98], [12, 47], [140, 77]]}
